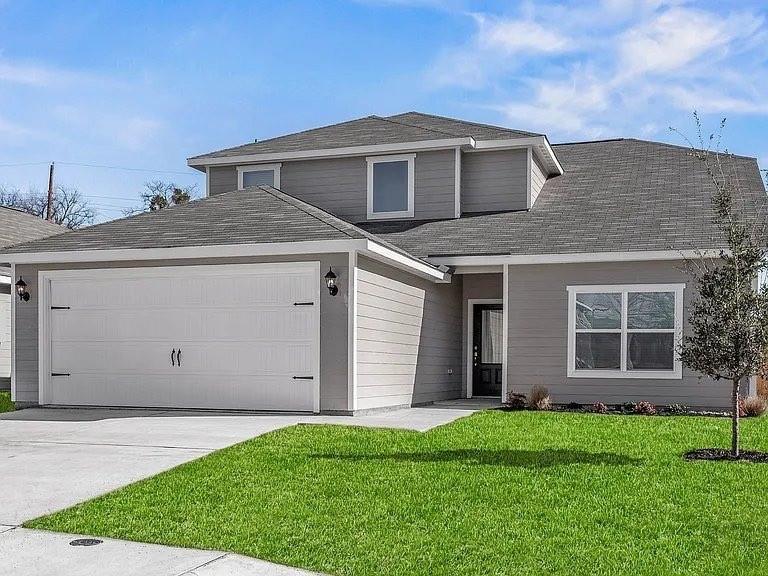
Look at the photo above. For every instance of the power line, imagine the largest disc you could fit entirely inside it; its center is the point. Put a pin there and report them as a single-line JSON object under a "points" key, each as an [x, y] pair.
{"points": [[102, 166]]}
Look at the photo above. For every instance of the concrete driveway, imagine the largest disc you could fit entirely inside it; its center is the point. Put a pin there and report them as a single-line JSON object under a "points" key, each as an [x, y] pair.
{"points": [[51, 459]]}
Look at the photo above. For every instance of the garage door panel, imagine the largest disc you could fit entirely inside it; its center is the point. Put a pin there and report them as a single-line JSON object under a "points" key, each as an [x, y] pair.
{"points": [[242, 338]]}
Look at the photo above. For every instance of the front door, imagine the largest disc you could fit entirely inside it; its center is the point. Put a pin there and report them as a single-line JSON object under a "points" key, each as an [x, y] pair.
{"points": [[487, 344]]}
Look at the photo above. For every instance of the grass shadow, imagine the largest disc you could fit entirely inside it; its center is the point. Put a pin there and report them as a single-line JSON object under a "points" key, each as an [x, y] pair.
{"points": [[518, 458]]}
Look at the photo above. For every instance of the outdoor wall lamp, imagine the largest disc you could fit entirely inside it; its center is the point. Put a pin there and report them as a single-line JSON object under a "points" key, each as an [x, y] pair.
{"points": [[330, 281], [21, 290]]}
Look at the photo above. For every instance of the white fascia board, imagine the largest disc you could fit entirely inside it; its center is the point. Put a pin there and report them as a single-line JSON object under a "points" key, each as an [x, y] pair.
{"points": [[639, 256], [417, 146], [409, 264], [186, 252]]}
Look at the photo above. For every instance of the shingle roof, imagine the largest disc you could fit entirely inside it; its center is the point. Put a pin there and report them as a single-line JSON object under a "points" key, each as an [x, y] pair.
{"points": [[621, 195], [17, 226], [252, 216], [372, 130]]}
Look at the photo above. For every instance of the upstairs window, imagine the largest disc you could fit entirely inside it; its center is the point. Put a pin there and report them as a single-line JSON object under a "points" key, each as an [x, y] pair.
{"points": [[390, 186], [625, 331], [258, 175]]}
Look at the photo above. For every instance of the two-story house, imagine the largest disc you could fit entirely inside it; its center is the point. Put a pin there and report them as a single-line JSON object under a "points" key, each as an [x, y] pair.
{"points": [[383, 262]]}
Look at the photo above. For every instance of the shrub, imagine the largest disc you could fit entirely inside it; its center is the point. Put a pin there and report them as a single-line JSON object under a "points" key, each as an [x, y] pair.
{"points": [[754, 406], [574, 406], [538, 398], [628, 407], [515, 401], [599, 408], [645, 408], [678, 409]]}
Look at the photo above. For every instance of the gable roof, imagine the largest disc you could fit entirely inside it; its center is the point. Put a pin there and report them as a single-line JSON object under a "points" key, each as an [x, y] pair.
{"points": [[17, 226], [615, 196], [257, 215], [371, 131]]}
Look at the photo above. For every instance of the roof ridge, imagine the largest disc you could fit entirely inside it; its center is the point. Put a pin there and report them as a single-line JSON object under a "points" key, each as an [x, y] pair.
{"points": [[656, 143], [387, 119], [471, 122]]}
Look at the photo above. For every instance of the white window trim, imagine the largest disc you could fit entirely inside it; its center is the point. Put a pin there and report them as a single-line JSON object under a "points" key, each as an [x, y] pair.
{"points": [[371, 160], [258, 168], [675, 374]]}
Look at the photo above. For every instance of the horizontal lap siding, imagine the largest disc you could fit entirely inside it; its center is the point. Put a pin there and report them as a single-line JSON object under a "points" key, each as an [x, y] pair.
{"points": [[494, 181], [538, 336], [339, 185], [408, 338], [334, 384]]}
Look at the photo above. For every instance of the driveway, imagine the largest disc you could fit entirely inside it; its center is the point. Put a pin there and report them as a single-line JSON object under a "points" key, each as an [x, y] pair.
{"points": [[51, 459]]}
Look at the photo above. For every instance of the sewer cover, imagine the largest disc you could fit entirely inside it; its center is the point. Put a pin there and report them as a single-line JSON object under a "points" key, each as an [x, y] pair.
{"points": [[85, 542]]}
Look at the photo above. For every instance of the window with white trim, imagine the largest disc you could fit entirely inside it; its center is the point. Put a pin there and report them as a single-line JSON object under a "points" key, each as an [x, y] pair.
{"points": [[390, 186], [258, 175], [628, 331]]}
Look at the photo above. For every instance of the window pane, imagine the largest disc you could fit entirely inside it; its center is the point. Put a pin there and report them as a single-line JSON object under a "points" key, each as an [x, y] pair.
{"points": [[259, 178], [492, 337], [598, 351], [651, 310], [651, 351], [390, 186], [598, 311]]}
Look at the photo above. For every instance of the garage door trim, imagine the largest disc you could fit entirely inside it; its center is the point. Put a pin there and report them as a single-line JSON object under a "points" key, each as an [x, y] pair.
{"points": [[44, 303]]}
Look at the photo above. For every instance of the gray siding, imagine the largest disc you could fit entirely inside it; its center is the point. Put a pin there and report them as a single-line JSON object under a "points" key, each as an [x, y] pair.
{"points": [[221, 179], [333, 323], [494, 181], [408, 338], [538, 178], [538, 336], [339, 185]]}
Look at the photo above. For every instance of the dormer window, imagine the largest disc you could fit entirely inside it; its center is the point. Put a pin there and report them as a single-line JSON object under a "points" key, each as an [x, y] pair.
{"points": [[258, 175], [390, 186]]}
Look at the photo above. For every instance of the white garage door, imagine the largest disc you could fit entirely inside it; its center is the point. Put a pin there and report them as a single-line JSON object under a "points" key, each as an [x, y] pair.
{"points": [[5, 335], [224, 337]]}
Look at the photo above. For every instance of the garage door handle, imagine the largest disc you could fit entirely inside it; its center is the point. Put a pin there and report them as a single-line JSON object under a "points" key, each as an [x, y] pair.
{"points": [[303, 377], [303, 303], [173, 357], [178, 357], [60, 374]]}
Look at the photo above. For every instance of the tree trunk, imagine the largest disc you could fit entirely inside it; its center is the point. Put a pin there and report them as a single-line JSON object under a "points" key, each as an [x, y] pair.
{"points": [[735, 420]]}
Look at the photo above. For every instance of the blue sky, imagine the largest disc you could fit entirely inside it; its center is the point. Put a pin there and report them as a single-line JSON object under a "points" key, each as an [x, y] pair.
{"points": [[143, 85]]}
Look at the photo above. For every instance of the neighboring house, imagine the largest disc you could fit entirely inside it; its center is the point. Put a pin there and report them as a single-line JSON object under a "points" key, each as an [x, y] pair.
{"points": [[469, 260], [15, 226]]}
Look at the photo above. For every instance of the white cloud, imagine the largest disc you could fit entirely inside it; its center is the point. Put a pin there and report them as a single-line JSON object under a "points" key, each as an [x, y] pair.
{"points": [[514, 36], [27, 74], [679, 36]]}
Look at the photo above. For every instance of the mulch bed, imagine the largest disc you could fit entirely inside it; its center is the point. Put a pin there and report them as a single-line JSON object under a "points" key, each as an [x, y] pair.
{"points": [[721, 454]]}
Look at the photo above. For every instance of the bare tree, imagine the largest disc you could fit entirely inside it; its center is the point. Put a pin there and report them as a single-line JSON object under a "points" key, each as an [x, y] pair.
{"points": [[70, 208], [159, 194], [728, 339]]}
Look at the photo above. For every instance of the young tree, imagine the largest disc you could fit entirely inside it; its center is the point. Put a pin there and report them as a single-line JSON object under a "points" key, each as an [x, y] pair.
{"points": [[159, 194], [70, 208], [728, 321]]}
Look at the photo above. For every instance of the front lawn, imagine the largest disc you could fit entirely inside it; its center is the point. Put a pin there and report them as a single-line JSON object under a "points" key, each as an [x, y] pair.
{"points": [[5, 402], [496, 493]]}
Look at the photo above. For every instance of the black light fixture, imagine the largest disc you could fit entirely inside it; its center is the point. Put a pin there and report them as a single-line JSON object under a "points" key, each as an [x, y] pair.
{"points": [[330, 281], [21, 290]]}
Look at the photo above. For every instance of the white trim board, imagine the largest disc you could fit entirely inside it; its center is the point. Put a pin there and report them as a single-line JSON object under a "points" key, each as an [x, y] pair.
{"points": [[572, 258], [624, 373], [438, 144], [470, 339], [232, 270]]}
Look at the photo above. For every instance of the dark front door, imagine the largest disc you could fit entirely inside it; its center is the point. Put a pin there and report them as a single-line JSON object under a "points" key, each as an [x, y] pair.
{"points": [[487, 342]]}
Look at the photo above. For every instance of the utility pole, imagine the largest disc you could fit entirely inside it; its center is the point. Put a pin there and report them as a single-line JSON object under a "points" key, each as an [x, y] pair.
{"points": [[49, 211]]}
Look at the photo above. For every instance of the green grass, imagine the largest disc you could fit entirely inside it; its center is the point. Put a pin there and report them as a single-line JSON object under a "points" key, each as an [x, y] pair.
{"points": [[5, 402], [496, 493]]}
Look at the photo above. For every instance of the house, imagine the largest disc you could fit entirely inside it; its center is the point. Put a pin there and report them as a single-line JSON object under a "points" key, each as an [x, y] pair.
{"points": [[15, 226], [383, 262]]}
